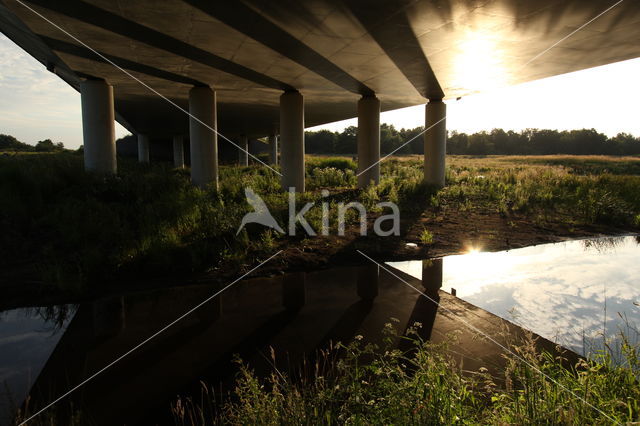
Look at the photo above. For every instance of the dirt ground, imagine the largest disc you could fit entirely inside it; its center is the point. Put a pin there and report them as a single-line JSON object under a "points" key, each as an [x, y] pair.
{"points": [[455, 232]]}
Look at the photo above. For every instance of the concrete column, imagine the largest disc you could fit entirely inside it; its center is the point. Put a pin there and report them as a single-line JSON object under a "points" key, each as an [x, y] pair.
{"points": [[292, 140], [98, 126], [178, 152], [368, 141], [273, 150], [143, 148], [203, 140], [243, 153], [435, 142]]}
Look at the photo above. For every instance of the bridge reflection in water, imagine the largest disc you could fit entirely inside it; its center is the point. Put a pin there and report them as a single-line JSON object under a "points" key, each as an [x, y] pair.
{"points": [[295, 314]]}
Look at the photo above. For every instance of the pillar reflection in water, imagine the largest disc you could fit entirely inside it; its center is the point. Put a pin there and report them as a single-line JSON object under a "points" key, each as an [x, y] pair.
{"points": [[293, 291], [432, 277], [367, 281], [426, 309]]}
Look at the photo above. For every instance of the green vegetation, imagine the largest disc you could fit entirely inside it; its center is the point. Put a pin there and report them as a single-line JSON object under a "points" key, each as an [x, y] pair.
{"points": [[361, 383], [71, 227], [9, 143], [426, 236], [495, 142]]}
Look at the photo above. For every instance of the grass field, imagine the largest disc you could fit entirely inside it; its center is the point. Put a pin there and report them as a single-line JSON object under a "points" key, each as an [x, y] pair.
{"points": [[63, 226]]}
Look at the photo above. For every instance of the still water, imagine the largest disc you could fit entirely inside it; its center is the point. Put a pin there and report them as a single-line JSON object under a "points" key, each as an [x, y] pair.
{"points": [[565, 292], [27, 338], [572, 293]]}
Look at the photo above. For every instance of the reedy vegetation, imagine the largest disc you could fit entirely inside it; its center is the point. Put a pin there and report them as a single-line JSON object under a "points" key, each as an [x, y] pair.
{"points": [[362, 383], [77, 227]]}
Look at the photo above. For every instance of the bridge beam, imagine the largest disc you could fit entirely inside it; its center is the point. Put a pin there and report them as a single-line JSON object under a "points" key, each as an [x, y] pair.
{"points": [[203, 136], [98, 126], [368, 141], [435, 142], [292, 140]]}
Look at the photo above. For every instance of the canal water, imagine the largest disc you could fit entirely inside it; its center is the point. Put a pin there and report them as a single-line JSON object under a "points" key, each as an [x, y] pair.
{"points": [[571, 293], [575, 293]]}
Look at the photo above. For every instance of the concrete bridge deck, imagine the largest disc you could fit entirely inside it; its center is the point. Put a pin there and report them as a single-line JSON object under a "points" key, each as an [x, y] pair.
{"points": [[325, 54]]}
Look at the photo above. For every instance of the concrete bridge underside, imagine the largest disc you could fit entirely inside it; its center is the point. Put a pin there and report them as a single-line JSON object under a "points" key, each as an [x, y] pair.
{"points": [[256, 68]]}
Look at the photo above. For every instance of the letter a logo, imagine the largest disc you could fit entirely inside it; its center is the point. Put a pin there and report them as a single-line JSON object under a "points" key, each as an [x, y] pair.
{"points": [[260, 214]]}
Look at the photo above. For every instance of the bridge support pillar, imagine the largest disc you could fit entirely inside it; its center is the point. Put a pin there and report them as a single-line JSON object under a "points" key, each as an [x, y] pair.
{"points": [[178, 152], [98, 126], [292, 141], [273, 150], [243, 153], [203, 136], [368, 141], [143, 148], [435, 142]]}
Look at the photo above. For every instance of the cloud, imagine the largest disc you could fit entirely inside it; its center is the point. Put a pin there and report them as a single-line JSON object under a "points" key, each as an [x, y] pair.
{"points": [[35, 104]]}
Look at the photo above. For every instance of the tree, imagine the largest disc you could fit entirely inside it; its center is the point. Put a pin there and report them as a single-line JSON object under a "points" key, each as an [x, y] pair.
{"points": [[9, 143], [321, 142], [498, 141], [346, 142], [45, 146]]}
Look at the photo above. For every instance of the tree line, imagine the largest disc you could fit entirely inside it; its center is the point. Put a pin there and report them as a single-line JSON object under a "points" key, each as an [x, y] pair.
{"points": [[494, 142], [9, 143]]}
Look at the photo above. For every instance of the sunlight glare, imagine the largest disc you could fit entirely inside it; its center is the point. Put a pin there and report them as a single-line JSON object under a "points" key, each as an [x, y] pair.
{"points": [[478, 64]]}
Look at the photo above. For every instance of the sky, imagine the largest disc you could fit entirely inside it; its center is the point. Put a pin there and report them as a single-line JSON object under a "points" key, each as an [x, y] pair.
{"points": [[35, 104]]}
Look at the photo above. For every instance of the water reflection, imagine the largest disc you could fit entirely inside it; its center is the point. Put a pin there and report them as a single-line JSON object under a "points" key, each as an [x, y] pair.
{"points": [[294, 315], [27, 338], [573, 293], [555, 290]]}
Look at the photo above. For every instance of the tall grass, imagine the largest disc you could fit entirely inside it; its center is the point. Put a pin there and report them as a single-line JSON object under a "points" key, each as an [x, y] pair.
{"points": [[361, 383], [64, 226], [508, 186], [71, 227], [74, 227]]}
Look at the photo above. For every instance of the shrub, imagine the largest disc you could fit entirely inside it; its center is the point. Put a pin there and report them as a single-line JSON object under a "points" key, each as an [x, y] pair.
{"points": [[339, 163], [426, 237]]}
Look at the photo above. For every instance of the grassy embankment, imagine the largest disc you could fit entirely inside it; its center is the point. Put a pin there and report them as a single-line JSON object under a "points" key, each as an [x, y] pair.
{"points": [[63, 226], [360, 383]]}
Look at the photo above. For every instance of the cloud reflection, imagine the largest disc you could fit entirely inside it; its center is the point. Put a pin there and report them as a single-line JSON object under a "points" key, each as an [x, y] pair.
{"points": [[567, 292]]}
